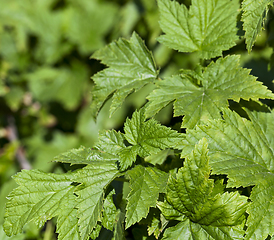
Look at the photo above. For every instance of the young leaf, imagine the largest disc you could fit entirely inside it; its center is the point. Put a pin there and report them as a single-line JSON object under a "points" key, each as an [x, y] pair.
{"points": [[211, 215], [131, 66], [220, 81], [243, 150], [94, 178], [192, 193], [146, 183], [254, 16], [209, 27], [40, 197], [193, 231], [147, 137]]}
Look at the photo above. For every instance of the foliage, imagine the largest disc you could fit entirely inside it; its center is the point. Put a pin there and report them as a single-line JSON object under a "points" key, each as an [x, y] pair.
{"points": [[202, 170]]}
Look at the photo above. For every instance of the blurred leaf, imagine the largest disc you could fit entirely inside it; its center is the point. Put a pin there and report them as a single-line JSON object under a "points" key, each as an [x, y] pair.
{"points": [[86, 23], [7, 155], [65, 85], [14, 97], [44, 151]]}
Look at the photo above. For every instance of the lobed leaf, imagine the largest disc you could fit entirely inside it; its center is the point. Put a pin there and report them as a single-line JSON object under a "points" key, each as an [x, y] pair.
{"points": [[40, 197], [193, 193], [208, 27], [243, 150], [220, 81], [146, 183], [147, 138], [131, 66]]}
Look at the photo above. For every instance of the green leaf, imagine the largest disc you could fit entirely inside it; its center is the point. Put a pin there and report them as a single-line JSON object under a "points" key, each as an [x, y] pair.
{"points": [[193, 231], [67, 223], [192, 193], [109, 212], [147, 138], [146, 183], [119, 232], [94, 178], [131, 67], [84, 155], [169, 212], [59, 84], [220, 81], [111, 141], [208, 27], [39, 197], [254, 16], [243, 150], [78, 15], [3, 236]]}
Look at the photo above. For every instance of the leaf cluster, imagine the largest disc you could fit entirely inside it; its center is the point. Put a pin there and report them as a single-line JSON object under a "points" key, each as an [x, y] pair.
{"points": [[208, 177]]}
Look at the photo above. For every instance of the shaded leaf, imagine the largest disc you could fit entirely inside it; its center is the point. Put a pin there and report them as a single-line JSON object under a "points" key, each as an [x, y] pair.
{"points": [[254, 16]]}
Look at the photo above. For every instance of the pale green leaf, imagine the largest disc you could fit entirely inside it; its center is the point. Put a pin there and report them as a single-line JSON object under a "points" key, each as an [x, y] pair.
{"points": [[3, 235], [208, 27], [84, 155], [254, 16], [39, 197], [146, 183], [220, 81], [192, 193], [94, 178], [243, 150], [131, 67], [147, 138], [188, 230]]}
